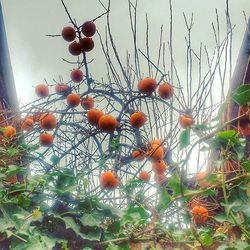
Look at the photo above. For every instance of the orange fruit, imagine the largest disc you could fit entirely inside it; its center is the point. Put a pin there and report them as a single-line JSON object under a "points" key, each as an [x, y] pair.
{"points": [[137, 119], [137, 155], [159, 166], [9, 132], [147, 85], [155, 141], [42, 90], [87, 103], [88, 28], [48, 121], [76, 75], [68, 34], [200, 179], [27, 124], [108, 180], [160, 178], [62, 89], [185, 121], [75, 48], [107, 123], [165, 91], [144, 176], [199, 214], [87, 44], [46, 139], [73, 100], [156, 152], [94, 115]]}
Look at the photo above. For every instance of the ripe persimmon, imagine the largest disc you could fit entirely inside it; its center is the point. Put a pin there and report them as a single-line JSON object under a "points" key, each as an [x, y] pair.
{"points": [[62, 89], [87, 103], [108, 180], [107, 123], [156, 152], [165, 91], [155, 141], [11, 180], [159, 166], [88, 28], [137, 155], [160, 178], [73, 100], [199, 214], [9, 132], [87, 44], [147, 85], [42, 90], [76, 75], [200, 179], [36, 116], [48, 121], [94, 115], [46, 139], [27, 124], [75, 48], [68, 34], [137, 119], [185, 121], [144, 176]]}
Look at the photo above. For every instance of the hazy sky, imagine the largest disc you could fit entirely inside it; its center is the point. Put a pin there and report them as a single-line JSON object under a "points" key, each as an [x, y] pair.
{"points": [[35, 56]]}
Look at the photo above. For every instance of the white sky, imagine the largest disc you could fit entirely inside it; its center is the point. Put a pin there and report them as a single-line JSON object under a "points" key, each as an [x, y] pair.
{"points": [[35, 56]]}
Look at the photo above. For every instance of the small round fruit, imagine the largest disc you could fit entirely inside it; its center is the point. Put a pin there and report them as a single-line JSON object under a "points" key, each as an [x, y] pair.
{"points": [[147, 86], [160, 178], [46, 139], [200, 179], [108, 180], [42, 90], [48, 121], [107, 123], [88, 28], [11, 180], [9, 132], [75, 48], [199, 214], [73, 100], [87, 44], [76, 75], [68, 34], [27, 124], [94, 116], [87, 103], [144, 176], [156, 153], [137, 119], [137, 155], [165, 91], [156, 141], [159, 166], [62, 89], [185, 121]]}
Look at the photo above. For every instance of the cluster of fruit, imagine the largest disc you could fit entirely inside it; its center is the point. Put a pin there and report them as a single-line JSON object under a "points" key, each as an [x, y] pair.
{"points": [[82, 45]]}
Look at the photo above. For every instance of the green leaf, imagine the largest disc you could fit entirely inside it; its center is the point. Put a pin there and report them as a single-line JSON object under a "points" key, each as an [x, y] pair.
{"points": [[184, 138], [246, 165], [163, 201], [13, 169], [206, 239], [242, 94], [92, 220], [226, 134], [175, 184], [230, 206], [12, 152], [24, 201]]}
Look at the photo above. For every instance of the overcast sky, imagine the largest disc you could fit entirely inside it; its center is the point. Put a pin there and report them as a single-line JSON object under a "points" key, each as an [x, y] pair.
{"points": [[35, 56]]}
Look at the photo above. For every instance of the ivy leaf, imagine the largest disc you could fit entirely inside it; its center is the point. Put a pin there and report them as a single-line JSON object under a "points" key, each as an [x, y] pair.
{"points": [[91, 220], [184, 138], [242, 94], [206, 239], [163, 201], [175, 184], [246, 165]]}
